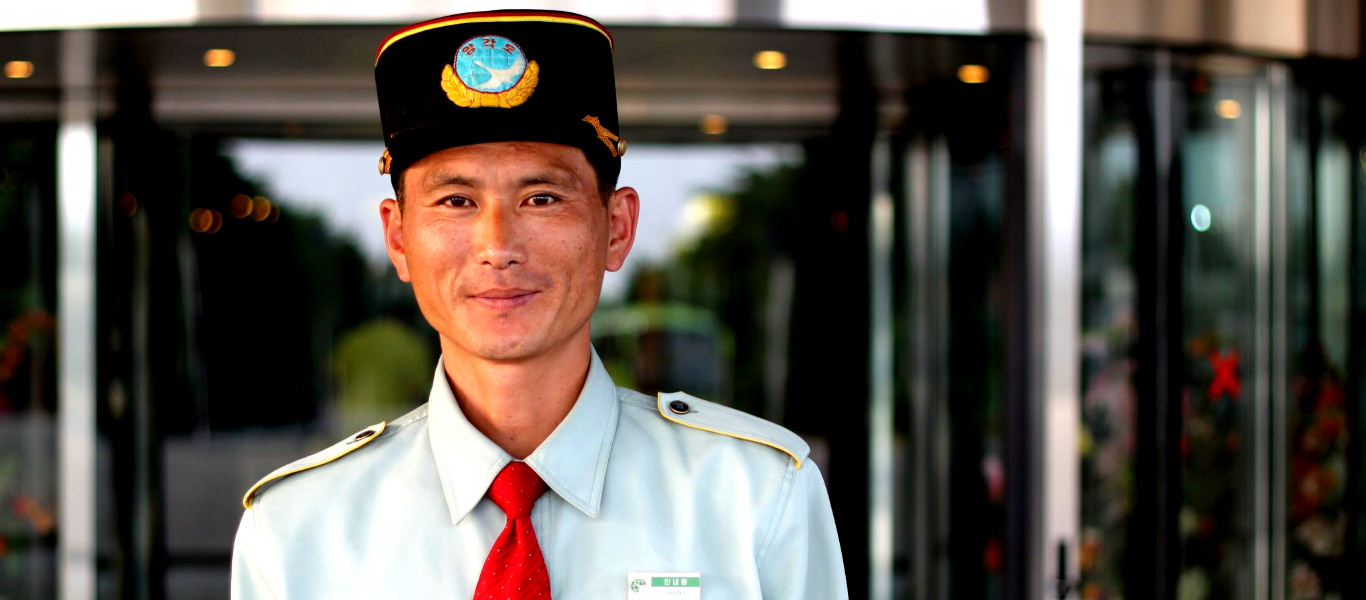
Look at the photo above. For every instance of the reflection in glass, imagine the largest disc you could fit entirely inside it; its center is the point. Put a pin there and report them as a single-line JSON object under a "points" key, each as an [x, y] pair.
{"points": [[260, 331], [704, 295], [1109, 332], [380, 358], [28, 382], [1220, 283], [1318, 425], [1285, 291]]}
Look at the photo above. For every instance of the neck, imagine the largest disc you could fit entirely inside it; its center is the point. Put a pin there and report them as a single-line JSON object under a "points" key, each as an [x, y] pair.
{"points": [[517, 404]]}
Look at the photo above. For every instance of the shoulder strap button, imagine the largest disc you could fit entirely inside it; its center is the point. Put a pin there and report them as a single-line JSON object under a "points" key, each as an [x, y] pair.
{"points": [[679, 407]]}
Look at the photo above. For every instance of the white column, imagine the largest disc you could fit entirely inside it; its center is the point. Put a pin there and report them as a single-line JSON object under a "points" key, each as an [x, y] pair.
{"points": [[881, 377], [1055, 118], [76, 318]]}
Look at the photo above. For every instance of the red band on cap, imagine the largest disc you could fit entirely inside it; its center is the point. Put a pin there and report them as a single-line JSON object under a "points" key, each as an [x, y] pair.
{"points": [[501, 16]]}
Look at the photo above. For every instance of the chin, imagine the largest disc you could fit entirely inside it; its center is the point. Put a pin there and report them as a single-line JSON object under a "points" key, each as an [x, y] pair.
{"points": [[504, 349], [505, 354]]}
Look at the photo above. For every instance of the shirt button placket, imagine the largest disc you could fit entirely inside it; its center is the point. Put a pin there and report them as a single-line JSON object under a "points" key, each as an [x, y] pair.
{"points": [[541, 520]]}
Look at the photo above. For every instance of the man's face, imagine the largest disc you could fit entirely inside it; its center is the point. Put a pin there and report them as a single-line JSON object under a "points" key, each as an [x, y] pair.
{"points": [[505, 245]]}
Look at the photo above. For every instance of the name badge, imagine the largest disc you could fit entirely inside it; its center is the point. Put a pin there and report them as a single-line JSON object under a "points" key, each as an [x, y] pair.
{"points": [[664, 586]]}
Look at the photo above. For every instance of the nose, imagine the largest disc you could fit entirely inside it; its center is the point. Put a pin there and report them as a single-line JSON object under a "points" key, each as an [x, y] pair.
{"points": [[498, 241]]}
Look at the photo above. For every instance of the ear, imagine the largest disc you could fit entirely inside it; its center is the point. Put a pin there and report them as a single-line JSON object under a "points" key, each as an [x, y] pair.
{"points": [[623, 212], [392, 216]]}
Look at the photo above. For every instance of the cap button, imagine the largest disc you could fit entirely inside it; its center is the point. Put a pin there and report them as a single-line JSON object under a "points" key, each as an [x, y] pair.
{"points": [[679, 407], [621, 147], [384, 161]]}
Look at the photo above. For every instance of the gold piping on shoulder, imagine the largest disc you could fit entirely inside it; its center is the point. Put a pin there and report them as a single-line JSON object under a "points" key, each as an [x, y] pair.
{"points": [[338, 450], [659, 405]]}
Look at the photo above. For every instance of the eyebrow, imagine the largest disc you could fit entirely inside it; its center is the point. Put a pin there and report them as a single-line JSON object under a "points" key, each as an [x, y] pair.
{"points": [[555, 177], [439, 179]]}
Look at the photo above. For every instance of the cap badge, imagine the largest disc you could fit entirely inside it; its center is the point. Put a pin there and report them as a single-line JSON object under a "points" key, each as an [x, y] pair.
{"points": [[490, 70]]}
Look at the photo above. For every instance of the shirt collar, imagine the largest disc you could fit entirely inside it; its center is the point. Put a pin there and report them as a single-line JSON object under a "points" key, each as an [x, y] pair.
{"points": [[572, 461]]}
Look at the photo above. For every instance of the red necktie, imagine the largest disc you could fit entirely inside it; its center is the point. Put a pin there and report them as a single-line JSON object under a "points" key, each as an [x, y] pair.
{"points": [[515, 569]]}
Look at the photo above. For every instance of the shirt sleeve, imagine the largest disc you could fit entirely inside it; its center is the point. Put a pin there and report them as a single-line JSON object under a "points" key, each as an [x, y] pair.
{"points": [[249, 580], [802, 557]]}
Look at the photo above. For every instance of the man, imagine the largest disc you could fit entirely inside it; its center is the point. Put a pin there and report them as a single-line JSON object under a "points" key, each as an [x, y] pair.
{"points": [[528, 474]]}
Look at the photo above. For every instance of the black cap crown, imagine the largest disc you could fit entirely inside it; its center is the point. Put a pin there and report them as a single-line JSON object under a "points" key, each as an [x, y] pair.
{"points": [[509, 75]]}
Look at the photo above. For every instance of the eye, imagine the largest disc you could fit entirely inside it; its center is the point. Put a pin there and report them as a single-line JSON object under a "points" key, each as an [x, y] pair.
{"points": [[542, 200], [456, 202]]}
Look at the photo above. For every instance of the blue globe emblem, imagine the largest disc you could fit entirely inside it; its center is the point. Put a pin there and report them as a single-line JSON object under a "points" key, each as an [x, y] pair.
{"points": [[490, 63]]}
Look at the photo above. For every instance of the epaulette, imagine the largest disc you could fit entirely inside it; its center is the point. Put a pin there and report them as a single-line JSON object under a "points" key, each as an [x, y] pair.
{"points": [[696, 413], [327, 455]]}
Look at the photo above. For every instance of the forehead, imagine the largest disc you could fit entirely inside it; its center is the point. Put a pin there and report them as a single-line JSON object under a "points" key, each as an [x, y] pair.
{"points": [[490, 162]]}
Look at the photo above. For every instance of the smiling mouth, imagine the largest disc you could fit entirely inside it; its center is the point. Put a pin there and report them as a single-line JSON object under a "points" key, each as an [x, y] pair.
{"points": [[504, 298]]}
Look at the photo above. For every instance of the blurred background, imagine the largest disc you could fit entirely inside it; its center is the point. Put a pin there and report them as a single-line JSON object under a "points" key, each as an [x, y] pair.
{"points": [[1068, 296]]}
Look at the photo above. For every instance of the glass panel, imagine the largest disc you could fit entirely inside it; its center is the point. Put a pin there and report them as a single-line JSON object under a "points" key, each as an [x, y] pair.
{"points": [[952, 180], [28, 366], [1356, 374], [1218, 322], [977, 418], [264, 323], [28, 303], [1319, 427], [704, 302], [1217, 182], [304, 332], [378, 352], [1109, 325]]}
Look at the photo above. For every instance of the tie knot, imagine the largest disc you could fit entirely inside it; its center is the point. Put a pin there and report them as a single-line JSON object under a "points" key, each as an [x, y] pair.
{"points": [[515, 489]]}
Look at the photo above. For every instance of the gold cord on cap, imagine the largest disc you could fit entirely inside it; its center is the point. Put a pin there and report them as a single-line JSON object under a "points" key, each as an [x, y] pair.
{"points": [[608, 138], [384, 161]]}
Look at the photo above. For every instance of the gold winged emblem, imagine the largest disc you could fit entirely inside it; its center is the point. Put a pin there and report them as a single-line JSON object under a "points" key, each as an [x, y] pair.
{"points": [[465, 96]]}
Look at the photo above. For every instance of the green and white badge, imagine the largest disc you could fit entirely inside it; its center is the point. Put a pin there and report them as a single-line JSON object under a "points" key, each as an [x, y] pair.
{"points": [[664, 585]]}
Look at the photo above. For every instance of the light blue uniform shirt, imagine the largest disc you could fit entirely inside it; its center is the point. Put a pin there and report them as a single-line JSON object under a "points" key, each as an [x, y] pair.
{"points": [[399, 510]]}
